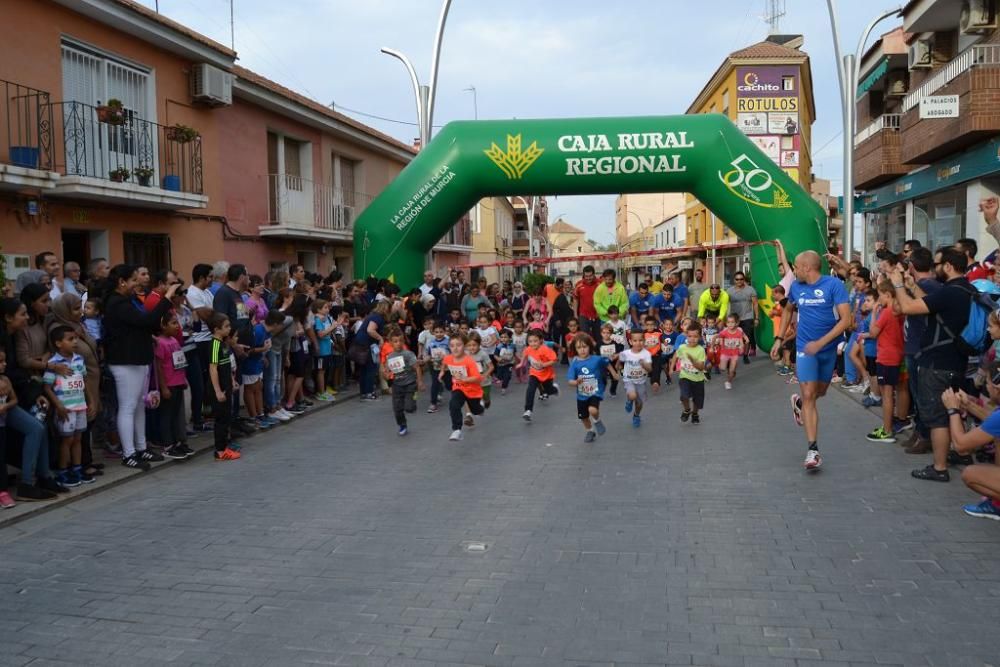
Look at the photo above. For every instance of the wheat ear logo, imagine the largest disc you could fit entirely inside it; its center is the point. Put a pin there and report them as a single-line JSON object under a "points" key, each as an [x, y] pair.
{"points": [[514, 162]]}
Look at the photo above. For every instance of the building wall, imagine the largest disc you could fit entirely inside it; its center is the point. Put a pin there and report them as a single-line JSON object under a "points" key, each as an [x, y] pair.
{"points": [[493, 238]]}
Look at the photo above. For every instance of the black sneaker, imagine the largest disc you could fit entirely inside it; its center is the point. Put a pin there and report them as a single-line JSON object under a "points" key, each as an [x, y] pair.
{"points": [[956, 459], [31, 493], [188, 452], [931, 474], [86, 478], [50, 484], [685, 415], [149, 456], [695, 419], [295, 410], [135, 463], [175, 453], [306, 402]]}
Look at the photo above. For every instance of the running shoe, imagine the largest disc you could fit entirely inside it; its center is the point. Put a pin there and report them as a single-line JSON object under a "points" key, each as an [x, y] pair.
{"points": [[931, 474], [235, 446], [836, 379], [432, 409], [686, 415], [871, 402], [402, 431], [858, 388], [263, 423], [135, 463], [813, 460], [68, 479], [599, 427], [785, 371], [175, 453], [469, 421], [280, 416], [797, 409], [294, 410], [6, 501], [228, 454], [729, 385], [84, 477], [455, 435], [628, 406], [188, 452], [881, 435], [526, 416], [695, 418], [636, 421], [984, 510], [503, 391], [306, 402], [555, 388], [900, 425], [956, 459], [31, 492], [149, 456], [590, 436]]}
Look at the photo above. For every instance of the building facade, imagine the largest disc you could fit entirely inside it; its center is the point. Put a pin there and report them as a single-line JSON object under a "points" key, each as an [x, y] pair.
{"points": [[766, 90], [493, 238], [569, 243], [539, 229], [636, 217], [926, 150]]}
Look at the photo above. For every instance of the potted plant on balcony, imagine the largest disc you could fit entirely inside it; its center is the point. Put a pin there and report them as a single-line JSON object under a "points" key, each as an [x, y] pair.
{"points": [[119, 175], [182, 134], [112, 113], [144, 174]]}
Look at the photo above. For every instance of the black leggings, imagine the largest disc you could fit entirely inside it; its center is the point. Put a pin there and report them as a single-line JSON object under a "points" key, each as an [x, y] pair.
{"points": [[458, 399], [533, 384], [748, 329]]}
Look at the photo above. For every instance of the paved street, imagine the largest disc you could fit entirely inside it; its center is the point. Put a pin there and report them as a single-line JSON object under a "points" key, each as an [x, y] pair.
{"points": [[336, 542]]}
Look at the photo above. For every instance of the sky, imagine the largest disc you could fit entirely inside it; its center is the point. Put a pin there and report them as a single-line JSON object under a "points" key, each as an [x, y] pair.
{"points": [[525, 59]]}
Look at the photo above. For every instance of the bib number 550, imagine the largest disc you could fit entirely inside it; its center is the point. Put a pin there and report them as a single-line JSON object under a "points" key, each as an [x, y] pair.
{"points": [[747, 173]]}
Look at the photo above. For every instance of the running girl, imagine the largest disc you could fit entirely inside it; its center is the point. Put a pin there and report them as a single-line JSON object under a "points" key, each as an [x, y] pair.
{"points": [[466, 387], [540, 358], [520, 341], [636, 364], [586, 373], [732, 342]]}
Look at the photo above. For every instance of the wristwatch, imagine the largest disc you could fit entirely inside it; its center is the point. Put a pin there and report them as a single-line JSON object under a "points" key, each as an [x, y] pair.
{"points": [[954, 411]]}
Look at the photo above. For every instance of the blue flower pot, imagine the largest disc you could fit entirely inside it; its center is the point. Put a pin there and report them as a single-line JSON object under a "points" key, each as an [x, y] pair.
{"points": [[24, 156], [172, 182]]}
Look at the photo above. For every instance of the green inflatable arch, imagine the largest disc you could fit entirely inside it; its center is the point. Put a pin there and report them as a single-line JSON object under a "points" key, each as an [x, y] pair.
{"points": [[703, 154]]}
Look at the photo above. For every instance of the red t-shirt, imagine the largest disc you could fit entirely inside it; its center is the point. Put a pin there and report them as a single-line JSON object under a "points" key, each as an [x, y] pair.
{"points": [[731, 342], [540, 356], [465, 375], [585, 298], [889, 344]]}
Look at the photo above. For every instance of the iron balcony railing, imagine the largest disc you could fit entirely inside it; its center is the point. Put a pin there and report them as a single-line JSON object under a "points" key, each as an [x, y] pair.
{"points": [[974, 56], [300, 202], [888, 121], [27, 118], [122, 147]]}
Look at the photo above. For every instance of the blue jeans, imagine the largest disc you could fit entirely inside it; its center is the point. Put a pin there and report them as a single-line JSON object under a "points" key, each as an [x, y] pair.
{"points": [[35, 451], [272, 379], [850, 372], [368, 376]]}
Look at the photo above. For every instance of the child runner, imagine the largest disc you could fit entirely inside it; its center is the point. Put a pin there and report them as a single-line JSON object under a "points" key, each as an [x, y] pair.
{"points": [[636, 364], [537, 322], [407, 379], [569, 340], [67, 397], [466, 387], [708, 334], [434, 353], [485, 366], [732, 342], [691, 359], [887, 330], [506, 357], [619, 329], [610, 350], [170, 364], [520, 341], [651, 337], [220, 372], [540, 358], [586, 373], [668, 345], [489, 336]]}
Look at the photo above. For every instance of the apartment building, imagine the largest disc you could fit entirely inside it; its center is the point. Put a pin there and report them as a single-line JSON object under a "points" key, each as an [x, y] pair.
{"points": [[493, 238], [538, 234]]}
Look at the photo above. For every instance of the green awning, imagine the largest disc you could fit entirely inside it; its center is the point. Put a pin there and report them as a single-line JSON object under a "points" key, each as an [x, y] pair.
{"points": [[873, 76]]}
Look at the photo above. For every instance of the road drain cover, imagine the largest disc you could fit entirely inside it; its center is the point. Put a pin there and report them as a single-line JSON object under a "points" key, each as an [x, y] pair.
{"points": [[476, 547]]}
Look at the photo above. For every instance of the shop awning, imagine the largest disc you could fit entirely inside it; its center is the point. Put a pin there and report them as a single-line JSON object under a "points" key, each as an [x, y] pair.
{"points": [[873, 76]]}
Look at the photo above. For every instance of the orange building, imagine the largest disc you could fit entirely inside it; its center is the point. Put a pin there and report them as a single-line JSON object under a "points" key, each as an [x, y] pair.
{"points": [[133, 138]]}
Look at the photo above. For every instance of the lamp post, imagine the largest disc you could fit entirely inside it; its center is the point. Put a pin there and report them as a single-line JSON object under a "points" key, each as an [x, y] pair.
{"points": [[642, 229], [475, 101], [847, 73], [425, 95], [530, 210]]}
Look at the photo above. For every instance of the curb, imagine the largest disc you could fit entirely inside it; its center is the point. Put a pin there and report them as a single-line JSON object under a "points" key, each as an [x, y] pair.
{"points": [[41, 507]]}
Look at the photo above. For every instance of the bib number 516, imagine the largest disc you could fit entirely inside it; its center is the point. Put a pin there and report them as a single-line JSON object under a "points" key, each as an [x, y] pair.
{"points": [[748, 173]]}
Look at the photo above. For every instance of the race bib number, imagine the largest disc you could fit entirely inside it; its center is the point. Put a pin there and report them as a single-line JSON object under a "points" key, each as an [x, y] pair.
{"points": [[179, 359], [586, 386], [536, 364], [732, 343], [490, 341], [437, 354], [396, 364], [73, 385], [607, 351], [458, 372], [506, 354], [687, 366], [668, 349], [481, 366], [652, 343], [635, 372]]}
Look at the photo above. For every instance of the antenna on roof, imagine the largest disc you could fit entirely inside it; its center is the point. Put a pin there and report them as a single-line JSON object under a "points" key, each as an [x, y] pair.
{"points": [[773, 11]]}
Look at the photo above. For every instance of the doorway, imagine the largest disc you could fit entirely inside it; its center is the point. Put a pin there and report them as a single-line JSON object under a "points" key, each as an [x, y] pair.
{"points": [[76, 247]]}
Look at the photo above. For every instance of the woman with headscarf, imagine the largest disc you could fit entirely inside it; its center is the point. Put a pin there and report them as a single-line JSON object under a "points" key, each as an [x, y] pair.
{"points": [[518, 300], [67, 311], [36, 481]]}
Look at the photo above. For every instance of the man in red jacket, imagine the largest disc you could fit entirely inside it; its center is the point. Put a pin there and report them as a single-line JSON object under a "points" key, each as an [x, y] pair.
{"points": [[585, 311]]}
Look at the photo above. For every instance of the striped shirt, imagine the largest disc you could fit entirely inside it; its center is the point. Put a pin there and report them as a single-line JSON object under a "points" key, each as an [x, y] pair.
{"points": [[220, 353]]}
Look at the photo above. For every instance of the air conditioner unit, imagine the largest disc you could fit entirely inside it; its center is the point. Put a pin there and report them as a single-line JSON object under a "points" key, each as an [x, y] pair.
{"points": [[211, 85], [343, 216], [897, 84], [919, 56], [978, 16], [15, 265]]}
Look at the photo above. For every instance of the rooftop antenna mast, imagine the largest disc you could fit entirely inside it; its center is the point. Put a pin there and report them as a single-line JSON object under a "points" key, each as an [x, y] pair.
{"points": [[774, 10]]}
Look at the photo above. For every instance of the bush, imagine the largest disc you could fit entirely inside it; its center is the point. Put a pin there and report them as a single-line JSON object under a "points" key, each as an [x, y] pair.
{"points": [[534, 282]]}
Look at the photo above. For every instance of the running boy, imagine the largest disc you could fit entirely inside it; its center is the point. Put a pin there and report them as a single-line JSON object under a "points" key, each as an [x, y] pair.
{"points": [[668, 345], [520, 341], [636, 364], [610, 350], [485, 365], [586, 373], [435, 352], [466, 387], [506, 357], [732, 342], [67, 397], [651, 338], [691, 358], [540, 358], [619, 329], [407, 379]]}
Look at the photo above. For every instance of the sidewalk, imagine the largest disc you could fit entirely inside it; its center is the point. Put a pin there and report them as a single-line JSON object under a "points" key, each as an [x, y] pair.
{"points": [[116, 475]]}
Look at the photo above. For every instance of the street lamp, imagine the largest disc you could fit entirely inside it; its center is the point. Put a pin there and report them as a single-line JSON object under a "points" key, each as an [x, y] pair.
{"points": [[642, 229], [530, 210], [847, 74], [425, 95], [475, 101]]}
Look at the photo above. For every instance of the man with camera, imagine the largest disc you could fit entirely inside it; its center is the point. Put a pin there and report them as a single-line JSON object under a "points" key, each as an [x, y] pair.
{"points": [[940, 364]]}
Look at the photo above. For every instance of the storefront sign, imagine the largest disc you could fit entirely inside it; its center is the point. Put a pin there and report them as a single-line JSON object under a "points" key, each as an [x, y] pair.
{"points": [[769, 145], [685, 264], [752, 123], [767, 81], [789, 158], [939, 106], [783, 123], [783, 104]]}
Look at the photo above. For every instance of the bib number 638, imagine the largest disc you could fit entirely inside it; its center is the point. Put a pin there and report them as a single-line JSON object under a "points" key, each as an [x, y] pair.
{"points": [[744, 172]]}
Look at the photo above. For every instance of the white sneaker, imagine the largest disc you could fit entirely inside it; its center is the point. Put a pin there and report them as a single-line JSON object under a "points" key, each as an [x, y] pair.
{"points": [[527, 415], [456, 435], [729, 385], [286, 414], [277, 414], [813, 460]]}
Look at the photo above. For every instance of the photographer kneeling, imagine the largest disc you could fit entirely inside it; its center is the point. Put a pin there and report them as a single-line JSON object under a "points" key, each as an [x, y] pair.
{"points": [[982, 478]]}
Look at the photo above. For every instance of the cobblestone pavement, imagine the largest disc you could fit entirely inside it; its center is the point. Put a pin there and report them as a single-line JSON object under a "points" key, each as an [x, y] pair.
{"points": [[336, 542]]}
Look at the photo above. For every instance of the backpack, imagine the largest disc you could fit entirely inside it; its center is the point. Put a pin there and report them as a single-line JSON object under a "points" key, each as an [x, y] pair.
{"points": [[974, 338]]}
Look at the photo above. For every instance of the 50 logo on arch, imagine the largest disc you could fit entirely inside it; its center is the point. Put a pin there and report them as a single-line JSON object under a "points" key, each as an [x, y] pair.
{"points": [[754, 185]]}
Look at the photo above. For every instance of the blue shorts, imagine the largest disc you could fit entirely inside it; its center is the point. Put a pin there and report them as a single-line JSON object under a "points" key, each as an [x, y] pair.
{"points": [[815, 368]]}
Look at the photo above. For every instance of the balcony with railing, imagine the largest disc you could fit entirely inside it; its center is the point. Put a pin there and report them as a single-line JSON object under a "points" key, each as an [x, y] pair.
{"points": [[26, 116], [973, 75], [876, 152], [301, 208]]}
